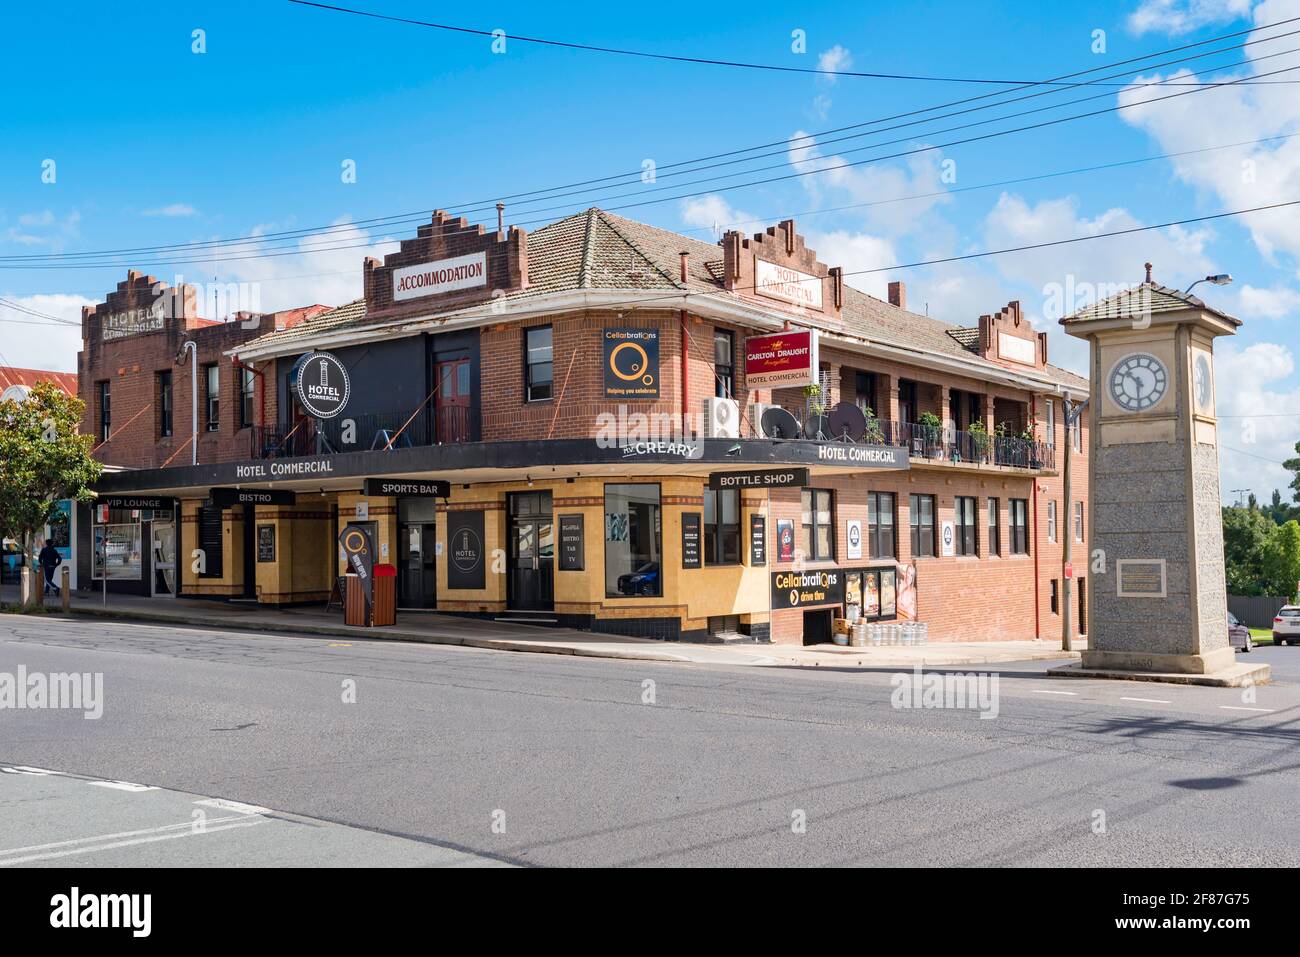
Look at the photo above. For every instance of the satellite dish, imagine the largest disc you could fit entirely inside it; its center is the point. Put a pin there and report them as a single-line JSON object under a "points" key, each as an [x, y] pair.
{"points": [[777, 423], [847, 422], [817, 427]]}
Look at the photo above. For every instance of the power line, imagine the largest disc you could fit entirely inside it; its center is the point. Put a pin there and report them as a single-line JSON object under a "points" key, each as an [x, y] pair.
{"points": [[704, 61], [405, 218]]}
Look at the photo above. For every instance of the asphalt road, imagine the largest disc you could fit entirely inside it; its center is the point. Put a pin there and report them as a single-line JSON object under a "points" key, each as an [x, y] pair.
{"points": [[555, 760]]}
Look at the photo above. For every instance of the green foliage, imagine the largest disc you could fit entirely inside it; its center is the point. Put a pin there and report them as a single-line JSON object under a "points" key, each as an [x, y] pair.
{"points": [[1293, 465], [42, 460], [1245, 534], [1281, 560]]}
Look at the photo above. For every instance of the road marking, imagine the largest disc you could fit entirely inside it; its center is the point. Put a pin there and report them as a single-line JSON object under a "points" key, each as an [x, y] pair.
{"points": [[123, 786], [339, 644], [161, 829], [1147, 700], [223, 805], [1057, 692], [1228, 707], [189, 832], [23, 769]]}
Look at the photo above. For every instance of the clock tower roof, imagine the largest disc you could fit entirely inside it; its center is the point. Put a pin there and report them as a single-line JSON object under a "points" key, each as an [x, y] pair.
{"points": [[1148, 300]]}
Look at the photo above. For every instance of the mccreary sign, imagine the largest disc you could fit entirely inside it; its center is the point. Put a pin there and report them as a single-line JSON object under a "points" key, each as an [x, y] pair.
{"points": [[781, 359]]}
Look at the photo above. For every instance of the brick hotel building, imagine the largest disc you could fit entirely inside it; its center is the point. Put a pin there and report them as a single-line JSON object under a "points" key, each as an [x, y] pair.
{"points": [[503, 413]]}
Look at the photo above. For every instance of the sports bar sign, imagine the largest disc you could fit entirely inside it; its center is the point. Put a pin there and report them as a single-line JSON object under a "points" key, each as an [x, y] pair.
{"points": [[445, 275], [781, 359]]}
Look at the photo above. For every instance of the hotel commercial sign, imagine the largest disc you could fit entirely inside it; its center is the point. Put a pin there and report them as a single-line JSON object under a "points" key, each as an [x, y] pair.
{"points": [[443, 275], [133, 322], [788, 285]]}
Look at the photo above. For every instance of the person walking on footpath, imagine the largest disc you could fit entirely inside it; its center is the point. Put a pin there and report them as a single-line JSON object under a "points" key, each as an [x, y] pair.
{"points": [[49, 560]]}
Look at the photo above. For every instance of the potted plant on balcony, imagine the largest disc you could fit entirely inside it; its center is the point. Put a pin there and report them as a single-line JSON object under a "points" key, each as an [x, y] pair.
{"points": [[875, 432], [979, 437], [932, 427], [816, 407]]}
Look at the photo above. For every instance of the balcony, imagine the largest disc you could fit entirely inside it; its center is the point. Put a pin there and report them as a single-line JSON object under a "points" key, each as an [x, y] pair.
{"points": [[367, 431]]}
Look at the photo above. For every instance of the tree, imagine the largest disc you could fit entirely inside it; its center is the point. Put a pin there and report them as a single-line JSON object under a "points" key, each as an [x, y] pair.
{"points": [[1281, 563], [1246, 534], [1293, 465], [42, 460]]}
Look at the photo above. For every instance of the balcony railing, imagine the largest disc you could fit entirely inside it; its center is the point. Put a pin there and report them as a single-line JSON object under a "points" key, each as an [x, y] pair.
{"points": [[368, 431]]}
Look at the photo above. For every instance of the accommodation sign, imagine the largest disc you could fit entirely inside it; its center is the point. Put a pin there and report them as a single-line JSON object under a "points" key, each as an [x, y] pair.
{"points": [[765, 478], [631, 363], [444, 275], [799, 589], [781, 359]]}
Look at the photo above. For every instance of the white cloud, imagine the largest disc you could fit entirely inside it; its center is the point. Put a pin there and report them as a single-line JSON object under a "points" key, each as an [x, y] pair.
{"points": [[32, 343], [715, 214], [172, 210], [1275, 302], [1176, 17], [1257, 420], [43, 229], [835, 60], [855, 252]]}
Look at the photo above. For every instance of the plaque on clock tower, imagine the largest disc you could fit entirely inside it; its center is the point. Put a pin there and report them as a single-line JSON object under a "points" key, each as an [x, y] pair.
{"points": [[1158, 602]]}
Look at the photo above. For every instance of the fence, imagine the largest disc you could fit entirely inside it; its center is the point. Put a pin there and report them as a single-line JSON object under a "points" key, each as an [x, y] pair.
{"points": [[1256, 611]]}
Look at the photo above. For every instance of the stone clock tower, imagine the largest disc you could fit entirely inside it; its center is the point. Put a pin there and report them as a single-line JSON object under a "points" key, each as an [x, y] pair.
{"points": [[1158, 599]]}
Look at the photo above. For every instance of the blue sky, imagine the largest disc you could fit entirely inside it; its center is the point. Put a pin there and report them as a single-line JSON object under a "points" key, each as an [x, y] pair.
{"points": [[156, 144]]}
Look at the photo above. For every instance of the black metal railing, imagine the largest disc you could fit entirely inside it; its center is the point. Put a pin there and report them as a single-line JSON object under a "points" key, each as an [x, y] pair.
{"points": [[366, 431]]}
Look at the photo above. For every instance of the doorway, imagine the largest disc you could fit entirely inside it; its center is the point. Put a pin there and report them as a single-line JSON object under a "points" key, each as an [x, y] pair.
{"points": [[451, 404], [531, 582], [164, 559], [1083, 606], [817, 626], [417, 579]]}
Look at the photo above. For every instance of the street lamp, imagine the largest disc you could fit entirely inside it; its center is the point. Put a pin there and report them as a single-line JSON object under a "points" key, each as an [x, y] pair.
{"points": [[1219, 279]]}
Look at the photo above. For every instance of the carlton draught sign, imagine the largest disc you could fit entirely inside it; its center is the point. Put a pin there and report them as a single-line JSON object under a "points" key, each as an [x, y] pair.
{"points": [[782, 359]]}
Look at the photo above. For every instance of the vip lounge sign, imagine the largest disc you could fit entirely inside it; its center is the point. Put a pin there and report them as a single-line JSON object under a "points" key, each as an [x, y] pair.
{"points": [[322, 383], [444, 275], [631, 363], [781, 359]]}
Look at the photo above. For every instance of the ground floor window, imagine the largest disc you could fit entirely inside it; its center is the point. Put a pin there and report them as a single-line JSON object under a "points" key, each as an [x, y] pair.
{"points": [[633, 541], [964, 511], [995, 532], [117, 552], [871, 594], [722, 526], [921, 509]]}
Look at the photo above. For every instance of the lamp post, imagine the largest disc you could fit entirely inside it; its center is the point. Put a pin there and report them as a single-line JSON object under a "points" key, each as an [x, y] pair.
{"points": [[1219, 279]]}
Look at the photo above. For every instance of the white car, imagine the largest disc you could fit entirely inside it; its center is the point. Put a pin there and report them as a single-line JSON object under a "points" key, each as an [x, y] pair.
{"points": [[1286, 625]]}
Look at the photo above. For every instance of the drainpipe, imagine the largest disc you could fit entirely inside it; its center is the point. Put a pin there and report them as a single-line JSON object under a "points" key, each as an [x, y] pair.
{"points": [[1038, 631], [685, 353], [192, 348]]}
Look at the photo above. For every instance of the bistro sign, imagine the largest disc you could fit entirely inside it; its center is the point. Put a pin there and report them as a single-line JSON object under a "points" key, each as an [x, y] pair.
{"points": [[228, 497], [444, 275]]}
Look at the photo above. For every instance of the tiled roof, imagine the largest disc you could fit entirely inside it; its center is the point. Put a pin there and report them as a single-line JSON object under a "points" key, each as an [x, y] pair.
{"points": [[967, 336], [1148, 298], [67, 381], [596, 249]]}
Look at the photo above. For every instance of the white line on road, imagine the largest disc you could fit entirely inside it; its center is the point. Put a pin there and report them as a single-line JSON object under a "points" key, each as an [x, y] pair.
{"points": [[223, 805], [1228, 707], [1057, 692], [123, 786], [23, 769], [1147, 700], [191, 832], [120, 834]]}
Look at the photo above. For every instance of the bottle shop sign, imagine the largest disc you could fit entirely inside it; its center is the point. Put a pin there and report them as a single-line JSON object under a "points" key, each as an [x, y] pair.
{"points": [[322, 383]]}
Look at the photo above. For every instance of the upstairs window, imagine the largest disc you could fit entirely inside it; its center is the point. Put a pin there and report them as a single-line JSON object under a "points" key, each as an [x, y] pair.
{"points": [[538, 366], [212, 397], [724, 363]]}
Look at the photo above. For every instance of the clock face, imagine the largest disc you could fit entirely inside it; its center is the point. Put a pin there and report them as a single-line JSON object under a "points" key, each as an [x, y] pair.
{"points": [[1138, 382], [1201, 381]]}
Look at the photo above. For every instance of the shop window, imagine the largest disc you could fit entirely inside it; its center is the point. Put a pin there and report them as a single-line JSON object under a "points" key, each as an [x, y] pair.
{"points": [[1017, 524], [1078, 521], [871, 594], [211, 541], [965, 511], [921, 508], [818, 527], [722, 527], [104, 397], [538, 366], [212, 397], [882, 538], [116, 552], [633, 541], [164, 404], [247, 380], [724, 363], [995, 529], [1051, 521]]}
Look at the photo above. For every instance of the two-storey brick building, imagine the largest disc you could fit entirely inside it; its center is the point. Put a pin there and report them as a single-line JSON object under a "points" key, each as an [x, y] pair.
{"points": [[630, 430]]}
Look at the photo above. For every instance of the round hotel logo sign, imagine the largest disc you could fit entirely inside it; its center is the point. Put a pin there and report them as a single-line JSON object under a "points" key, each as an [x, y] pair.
{"points": [[323, 385], [467, 550]]}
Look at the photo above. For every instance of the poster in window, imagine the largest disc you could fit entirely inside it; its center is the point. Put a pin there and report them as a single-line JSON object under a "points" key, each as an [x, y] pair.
{"points": [[572, 552], [905, 596], [757, 540], [871, 595], [265, 544], [853, 596], [691, 539], [888, 603], [784, 540]]}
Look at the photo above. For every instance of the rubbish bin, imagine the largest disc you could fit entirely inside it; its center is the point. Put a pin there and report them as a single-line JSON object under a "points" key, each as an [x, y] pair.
{"points": [[384, 609], [354, 601]]}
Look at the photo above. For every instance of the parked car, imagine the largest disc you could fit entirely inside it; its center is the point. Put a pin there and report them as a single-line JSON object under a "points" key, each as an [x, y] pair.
{"points": [[1238, 634], [1286, 625], [643, 581]]}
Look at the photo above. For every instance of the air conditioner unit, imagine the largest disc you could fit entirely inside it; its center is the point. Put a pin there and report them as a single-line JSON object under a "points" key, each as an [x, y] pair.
{"points": [[755, 417], [721, 419]]}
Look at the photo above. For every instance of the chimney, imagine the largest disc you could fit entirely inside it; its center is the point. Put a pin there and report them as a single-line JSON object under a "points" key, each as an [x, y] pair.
{"points": [[1149, 280], [897, 295], [685, 259], [501, 217]]}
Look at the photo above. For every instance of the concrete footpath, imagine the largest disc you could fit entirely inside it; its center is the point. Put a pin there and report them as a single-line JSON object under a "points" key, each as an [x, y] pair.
{"points": [[434, 628]]}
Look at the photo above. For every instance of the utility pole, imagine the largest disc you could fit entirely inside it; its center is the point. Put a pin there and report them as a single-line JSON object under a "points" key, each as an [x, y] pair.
{"points": [[1238, 492], [1072, 417]]}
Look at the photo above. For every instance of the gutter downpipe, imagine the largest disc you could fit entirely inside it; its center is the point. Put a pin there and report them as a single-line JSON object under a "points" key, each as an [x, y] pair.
{"points": [[685, 356], [1038, 622]]}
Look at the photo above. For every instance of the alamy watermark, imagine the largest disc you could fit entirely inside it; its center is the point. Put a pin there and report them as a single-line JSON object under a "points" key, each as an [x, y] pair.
{"points": [[21, 690], [975, 691]]}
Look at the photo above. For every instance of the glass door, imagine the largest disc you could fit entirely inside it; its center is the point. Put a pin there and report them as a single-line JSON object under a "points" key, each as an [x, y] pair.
{"points": [[531, 581], [418, 580], [164, 559]]}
